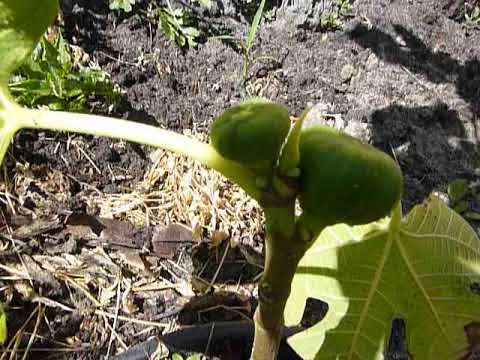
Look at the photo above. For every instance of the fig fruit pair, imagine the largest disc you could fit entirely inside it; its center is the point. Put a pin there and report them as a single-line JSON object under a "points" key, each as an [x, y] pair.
{"points": [[342, 180]]}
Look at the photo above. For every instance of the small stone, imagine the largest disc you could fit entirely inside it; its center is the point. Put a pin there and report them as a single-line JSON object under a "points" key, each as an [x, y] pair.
{"points": [[442, 196], [359, 130], [347, 72], [399, 40], [402, 149], [454, 142], [372, 62], [339, 122]]}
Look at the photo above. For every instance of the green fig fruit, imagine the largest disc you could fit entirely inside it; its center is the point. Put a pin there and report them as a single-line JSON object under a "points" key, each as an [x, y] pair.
{"points": [[252, 134], [344, 180]]}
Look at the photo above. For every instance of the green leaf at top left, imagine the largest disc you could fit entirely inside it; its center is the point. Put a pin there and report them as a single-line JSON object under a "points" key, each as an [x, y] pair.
{"points": [[22, 22]]}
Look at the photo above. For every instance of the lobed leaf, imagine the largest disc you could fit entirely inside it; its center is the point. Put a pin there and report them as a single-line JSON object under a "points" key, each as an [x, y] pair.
{"points": [[423, 270], [19, 32], [50, 78]]}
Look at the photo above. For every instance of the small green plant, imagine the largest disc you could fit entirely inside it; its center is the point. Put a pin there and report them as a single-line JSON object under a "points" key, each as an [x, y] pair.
{"points": [[344, 7], [472, 17], [49, 77], [176, 25], [420, 268], [252, 32], [125, 5], [457, 191], [461, 195], [247, 44], [332, 19]]}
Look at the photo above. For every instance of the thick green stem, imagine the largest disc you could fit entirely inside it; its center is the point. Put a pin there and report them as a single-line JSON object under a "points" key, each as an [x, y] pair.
{"points": [[283, 251], [139, 133]]}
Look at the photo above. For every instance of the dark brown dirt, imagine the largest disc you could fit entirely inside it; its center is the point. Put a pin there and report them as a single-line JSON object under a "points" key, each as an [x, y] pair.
{"points": [[404, 76]]}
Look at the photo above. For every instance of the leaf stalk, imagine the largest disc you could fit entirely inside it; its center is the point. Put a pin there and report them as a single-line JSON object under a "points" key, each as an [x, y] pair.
{"points": [[138, 133]]}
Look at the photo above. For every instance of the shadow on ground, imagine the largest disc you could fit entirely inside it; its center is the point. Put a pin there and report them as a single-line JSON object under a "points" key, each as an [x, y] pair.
{"points": [[430, 142]]}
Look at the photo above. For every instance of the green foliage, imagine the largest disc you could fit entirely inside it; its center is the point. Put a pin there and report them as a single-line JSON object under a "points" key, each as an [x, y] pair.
{"points": [[49, 77], [420, 269], [246, 45], [345, 180], [472, 17], [461, 195], [344, 7], [332, 19], [125, 5], [330, 22], [3, 325], [19, 30], [252, 134], [457, 190], [176, 25], [254, 26], [251, 38]]}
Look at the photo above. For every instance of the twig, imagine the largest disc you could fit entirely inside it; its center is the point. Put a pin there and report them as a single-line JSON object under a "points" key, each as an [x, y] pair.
{"points": [[115, 59], [83, 348], [53, 303], [35, 329], [209, 338], [89, 159], [132, 320], [96, 302], [154, 287], [115, 319], [15, 341], [214, 278]]}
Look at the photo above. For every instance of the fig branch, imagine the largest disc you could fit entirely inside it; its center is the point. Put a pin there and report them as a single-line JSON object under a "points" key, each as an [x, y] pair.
{"points": [[283, 251], [139, 133]]}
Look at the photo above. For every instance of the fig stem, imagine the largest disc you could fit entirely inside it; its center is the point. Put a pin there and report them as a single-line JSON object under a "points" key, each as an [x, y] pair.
{"points": [[283, 251]]}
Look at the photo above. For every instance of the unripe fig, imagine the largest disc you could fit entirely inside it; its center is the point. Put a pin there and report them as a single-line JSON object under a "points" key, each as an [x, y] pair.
{"points": [[344, 180], [252, 133]]}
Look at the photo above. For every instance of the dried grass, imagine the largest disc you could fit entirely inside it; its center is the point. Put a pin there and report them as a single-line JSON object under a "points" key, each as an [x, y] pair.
{"points": [[179, 190], [100, 285]]}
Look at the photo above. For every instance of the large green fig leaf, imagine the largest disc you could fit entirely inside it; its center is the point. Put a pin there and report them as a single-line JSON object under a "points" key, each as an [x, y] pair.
{"points": [[424, 270], [22, 23]]}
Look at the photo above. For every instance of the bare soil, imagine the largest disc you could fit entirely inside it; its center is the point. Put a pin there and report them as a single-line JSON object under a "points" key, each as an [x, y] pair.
{"points": [[401, 75]]}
